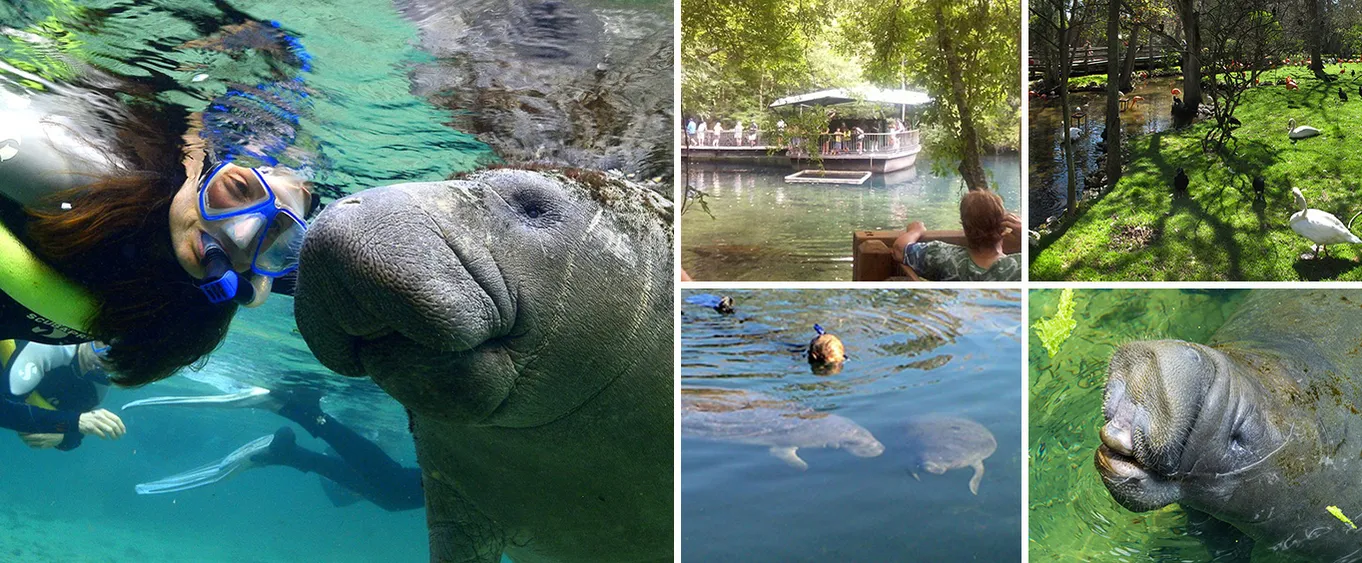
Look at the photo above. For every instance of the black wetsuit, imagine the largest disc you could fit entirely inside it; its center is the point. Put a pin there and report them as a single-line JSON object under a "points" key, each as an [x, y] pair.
{"points": [[361, 466], [62, 387]]}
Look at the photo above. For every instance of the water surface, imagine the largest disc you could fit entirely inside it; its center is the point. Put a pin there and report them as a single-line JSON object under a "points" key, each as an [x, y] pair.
{"points": [[1048, 176], [766, 229], [911, 353]]}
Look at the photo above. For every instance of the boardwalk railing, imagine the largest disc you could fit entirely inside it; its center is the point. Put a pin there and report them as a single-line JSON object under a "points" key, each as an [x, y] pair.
{"points": [[867, 144], [727, 138]]}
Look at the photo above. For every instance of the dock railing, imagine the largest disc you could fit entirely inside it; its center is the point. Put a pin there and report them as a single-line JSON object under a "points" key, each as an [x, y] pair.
{"points": [[866, 144]]}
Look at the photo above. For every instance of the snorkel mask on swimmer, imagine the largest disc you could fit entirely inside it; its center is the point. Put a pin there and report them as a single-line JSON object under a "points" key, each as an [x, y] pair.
{"points": [[245, 217]]}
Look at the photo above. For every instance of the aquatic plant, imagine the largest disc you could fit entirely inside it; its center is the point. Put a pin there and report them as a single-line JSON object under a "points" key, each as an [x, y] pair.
{"points": [[1055, 330]]}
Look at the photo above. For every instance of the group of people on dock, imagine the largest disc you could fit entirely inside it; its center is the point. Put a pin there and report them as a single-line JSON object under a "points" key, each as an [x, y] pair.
{"points": [[851, 138], [704, 135]]}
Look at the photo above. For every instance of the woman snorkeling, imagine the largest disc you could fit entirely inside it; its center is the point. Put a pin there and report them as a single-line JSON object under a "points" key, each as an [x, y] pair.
{"points": [[116, 224]]}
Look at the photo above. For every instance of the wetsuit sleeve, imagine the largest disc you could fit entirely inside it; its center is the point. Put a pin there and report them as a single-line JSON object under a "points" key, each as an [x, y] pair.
{"points": [[71, 441], [23, 417], [25, 371]]}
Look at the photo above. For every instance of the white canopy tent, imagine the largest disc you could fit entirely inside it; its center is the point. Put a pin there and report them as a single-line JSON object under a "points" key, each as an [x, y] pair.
{"points": [[837, 96]]}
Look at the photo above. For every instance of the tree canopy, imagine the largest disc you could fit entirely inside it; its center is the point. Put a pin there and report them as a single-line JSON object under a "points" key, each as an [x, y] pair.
{"points": [[739, 56]]}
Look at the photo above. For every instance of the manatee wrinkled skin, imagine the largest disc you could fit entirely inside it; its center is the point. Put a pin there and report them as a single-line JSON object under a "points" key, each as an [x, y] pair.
{"points": [[784, 427], [941, 443], [1258, 428], [564, 82], [524, 318]]}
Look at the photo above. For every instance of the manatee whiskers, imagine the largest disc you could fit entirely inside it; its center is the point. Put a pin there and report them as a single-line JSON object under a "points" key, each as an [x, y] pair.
{"points": [[1249, 466]]}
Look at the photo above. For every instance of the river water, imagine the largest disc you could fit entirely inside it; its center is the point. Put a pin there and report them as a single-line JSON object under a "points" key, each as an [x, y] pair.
{"points": [[766, 229], [1048, 176], [911, 353]]}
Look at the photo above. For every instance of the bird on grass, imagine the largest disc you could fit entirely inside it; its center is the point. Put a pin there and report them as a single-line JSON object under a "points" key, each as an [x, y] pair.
{"points": [[1321, 227], [1302, 132], [1258, 188], [1342, 96], [1180, 182]]}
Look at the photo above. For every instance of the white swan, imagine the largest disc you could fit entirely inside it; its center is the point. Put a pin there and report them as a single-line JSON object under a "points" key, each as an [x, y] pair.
{"points": [[1321, 227], [1075, 133], [1302, 132]]}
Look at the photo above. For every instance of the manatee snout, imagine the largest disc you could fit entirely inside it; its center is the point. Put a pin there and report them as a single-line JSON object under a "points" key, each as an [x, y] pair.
{"points": [[864, 445], [1153, 393], [396, 283]]}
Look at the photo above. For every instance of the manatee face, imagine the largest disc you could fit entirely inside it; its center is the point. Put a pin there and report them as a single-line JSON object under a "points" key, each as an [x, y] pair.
{"points": [[472, 300], [932, 466], [1182, 424], [861, 443]]}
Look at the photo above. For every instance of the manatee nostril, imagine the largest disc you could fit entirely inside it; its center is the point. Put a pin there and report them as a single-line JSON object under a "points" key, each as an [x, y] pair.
{"points": [[349, 201], [1116, 436]]}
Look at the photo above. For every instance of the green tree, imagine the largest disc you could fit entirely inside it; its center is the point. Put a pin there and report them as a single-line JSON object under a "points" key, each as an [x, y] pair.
{"points": [[963, 53]]}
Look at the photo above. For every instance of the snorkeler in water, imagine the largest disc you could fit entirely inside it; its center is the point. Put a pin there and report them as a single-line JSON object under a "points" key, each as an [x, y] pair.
{"points": [[136, 223], [52, 394], [358, 465]]}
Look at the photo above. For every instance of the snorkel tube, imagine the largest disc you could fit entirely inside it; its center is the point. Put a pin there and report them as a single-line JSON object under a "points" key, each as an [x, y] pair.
{"points": [[37, 287], [222, 284]]}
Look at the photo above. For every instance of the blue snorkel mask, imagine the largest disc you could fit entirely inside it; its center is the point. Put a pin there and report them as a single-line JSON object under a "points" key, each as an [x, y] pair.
{"points": [[245, 215]]}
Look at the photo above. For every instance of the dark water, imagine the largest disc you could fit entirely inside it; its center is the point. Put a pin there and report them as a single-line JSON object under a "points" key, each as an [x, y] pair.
{"points": [[1072, 516], [911, 353], [766, 229], [1048, 175]]}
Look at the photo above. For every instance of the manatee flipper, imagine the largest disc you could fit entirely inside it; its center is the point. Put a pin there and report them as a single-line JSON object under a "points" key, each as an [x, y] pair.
{"points": [[459, 533], [914, 474], [787, 454], [978, 476]]}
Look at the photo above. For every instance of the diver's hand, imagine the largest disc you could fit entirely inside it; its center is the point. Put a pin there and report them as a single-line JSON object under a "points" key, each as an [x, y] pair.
{"points": [[102, 423], [41, 441]]}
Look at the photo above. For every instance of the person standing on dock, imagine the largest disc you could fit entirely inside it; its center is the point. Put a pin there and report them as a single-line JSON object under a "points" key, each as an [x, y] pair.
{"points": [[859, 134], [737, 133], [718, 132], [690, 132]]}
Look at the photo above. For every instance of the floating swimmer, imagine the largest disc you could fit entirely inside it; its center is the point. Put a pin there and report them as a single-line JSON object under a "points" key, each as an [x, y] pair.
{"points": [[826, 353], [722, 304]]}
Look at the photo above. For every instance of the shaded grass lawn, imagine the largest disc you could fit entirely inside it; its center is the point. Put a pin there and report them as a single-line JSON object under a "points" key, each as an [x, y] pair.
{"points": [[1138, 231]]}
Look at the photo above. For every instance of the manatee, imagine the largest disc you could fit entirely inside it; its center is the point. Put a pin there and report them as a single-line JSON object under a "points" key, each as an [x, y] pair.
{"points": [[754, 418], [941, 443], [524, 319], [562, 81], [1259, 427]]}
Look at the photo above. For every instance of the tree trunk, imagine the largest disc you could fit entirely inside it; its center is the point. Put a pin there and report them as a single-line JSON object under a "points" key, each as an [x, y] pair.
{"points": [[1191, 57], [971, 169], [1113, 94], [1314, 38], [1128, 67], [1067, 147]]}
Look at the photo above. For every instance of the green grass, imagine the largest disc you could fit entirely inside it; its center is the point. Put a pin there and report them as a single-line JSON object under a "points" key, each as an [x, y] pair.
{"points": [[1219, 232]]}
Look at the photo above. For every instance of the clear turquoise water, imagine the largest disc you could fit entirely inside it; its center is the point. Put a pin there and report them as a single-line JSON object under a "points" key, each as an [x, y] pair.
{"points": [[1072, 517], [365, 128], [766, 229], [912, 353]]}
